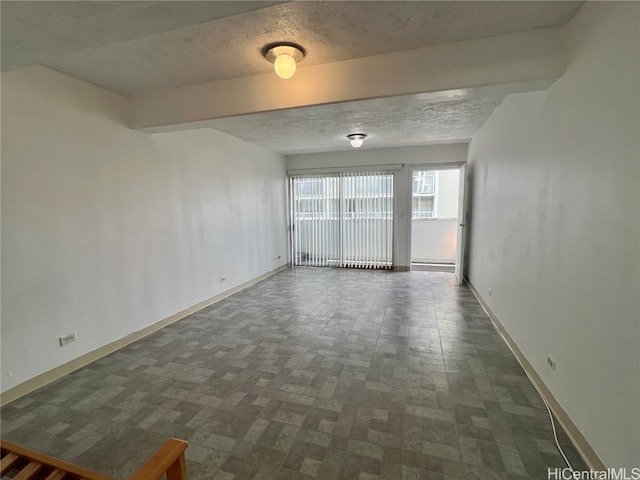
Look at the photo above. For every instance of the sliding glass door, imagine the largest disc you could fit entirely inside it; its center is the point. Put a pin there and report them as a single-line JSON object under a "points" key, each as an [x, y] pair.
{"points": [[343, 220], [316, 221]]}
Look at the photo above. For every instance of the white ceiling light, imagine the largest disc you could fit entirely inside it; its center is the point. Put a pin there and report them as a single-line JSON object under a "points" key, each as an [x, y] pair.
{"points": [[356, 139], [284, 57]]}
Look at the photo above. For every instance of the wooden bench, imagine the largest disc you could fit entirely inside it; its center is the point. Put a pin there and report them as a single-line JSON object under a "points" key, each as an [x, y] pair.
{"points": [[20, 463]]}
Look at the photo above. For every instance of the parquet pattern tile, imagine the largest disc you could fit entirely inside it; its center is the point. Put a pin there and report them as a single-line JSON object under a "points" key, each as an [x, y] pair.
{"points": [[314, 373]]}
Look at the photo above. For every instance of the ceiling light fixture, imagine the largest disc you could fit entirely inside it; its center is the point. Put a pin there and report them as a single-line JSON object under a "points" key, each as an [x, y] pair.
{"points": [[356, 139], [284, 57]]}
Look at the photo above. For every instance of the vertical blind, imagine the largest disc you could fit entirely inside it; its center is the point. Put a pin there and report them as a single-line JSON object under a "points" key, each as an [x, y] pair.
{"points": [[342, 220]]}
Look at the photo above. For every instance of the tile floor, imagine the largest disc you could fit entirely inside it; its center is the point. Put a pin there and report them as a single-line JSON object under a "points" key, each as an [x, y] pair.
{"points": [[313, 373]]}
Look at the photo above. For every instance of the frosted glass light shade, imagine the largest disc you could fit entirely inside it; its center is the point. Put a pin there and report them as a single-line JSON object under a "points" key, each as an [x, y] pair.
{"points": [[284, 58], [285, 66], [356, 139]]}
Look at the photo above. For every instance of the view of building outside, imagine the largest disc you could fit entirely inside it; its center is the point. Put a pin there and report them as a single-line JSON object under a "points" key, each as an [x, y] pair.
{"points": [[364, 196], [435, 194], [424, 190]]}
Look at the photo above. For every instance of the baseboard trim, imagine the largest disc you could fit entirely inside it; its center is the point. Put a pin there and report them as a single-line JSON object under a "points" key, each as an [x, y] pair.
{"points": [[401, 268], [585, 450], [83, 360]]}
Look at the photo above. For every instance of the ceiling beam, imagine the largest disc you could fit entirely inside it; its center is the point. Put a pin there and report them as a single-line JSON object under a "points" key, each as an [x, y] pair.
{"points": [[514, 62]]}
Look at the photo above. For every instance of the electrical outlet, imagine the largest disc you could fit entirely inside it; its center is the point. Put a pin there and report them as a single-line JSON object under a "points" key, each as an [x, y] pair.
{"points": [[222, 279], [551, 362], [67, 339], [489, 290]]}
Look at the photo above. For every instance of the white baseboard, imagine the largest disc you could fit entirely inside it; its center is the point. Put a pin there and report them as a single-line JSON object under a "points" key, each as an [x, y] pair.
{"points": [[83, 360], [585, 450]]}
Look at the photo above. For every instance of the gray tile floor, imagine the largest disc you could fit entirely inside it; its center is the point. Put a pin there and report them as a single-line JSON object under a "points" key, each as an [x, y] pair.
{"points": [[313, 373]]}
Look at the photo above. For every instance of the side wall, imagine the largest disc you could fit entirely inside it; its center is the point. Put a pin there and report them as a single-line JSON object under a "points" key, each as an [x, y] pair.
{"points": [[555, 228], [405, 157], [106, 230]]}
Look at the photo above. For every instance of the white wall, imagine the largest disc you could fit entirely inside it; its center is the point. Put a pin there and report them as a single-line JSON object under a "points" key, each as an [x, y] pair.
{"points": [[454, 154], [106, 230], [404, 157], [555, 231]]}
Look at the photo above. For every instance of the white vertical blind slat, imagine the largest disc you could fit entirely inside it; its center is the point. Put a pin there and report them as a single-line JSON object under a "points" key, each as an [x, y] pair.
{"points": [[376, 220], [371, 220], [314, 221], [322, 253], [360, 223], [357, 234], [292, 206], [367, 220], [376, 223], [358, 244]]}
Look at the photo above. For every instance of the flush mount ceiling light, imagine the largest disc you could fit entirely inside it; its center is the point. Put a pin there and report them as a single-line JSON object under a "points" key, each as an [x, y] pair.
{"points": [[356, 139], [284, 57]]}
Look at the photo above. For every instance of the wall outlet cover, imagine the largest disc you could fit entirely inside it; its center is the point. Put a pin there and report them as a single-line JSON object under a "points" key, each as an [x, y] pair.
{"points": [[67, 339]]}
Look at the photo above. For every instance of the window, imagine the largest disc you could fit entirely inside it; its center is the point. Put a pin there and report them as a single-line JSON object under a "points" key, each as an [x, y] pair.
{"points": [[311, 187], [423, 207], [424, 192], [317, 198], [424, 183]]}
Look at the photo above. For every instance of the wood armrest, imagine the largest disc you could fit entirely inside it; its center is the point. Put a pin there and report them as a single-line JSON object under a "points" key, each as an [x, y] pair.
{"points": [[169, 459], [55, 464]]}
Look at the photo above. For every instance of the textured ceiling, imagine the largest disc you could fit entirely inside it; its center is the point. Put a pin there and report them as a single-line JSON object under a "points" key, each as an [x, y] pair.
{"points": [[406, 120], [42, 32], [137, 47], [140, 47]]}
